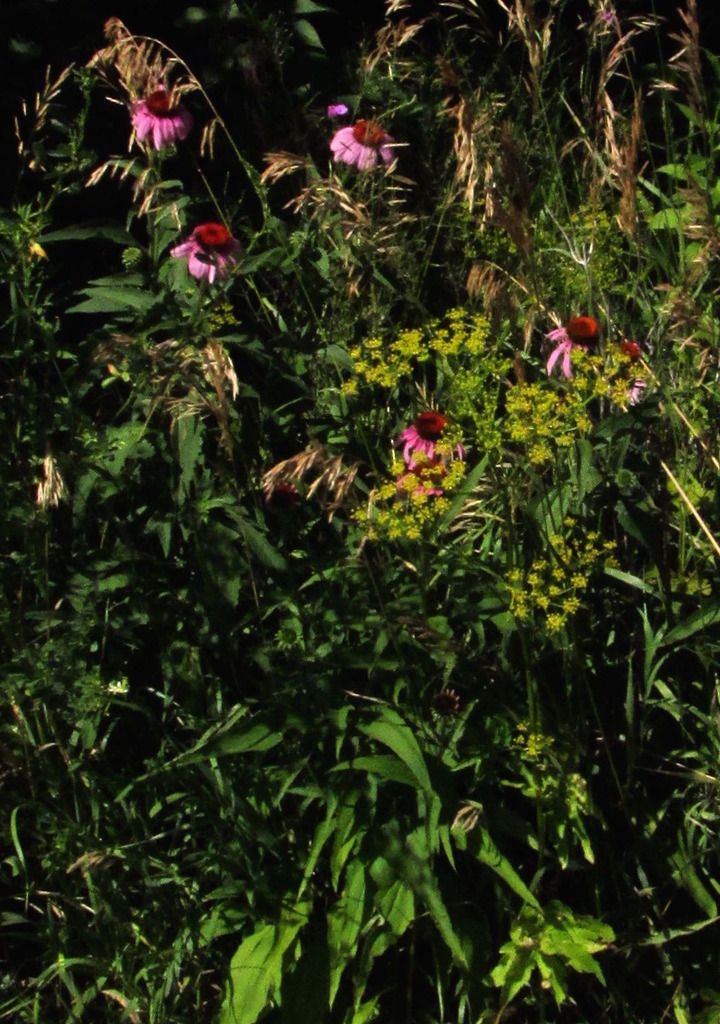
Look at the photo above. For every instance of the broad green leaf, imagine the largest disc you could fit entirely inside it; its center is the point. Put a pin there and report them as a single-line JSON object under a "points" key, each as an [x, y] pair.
{"points": [[258, 543], [669, 218], [703, 618], [322, 833], [397, 905], [309, 7], [231, 738], [114, 300], [513, 971], [632, 581], [390, 730], [463, 492], [412, 865], [309, 35], [383, 766], [345, 920], [83, 232], [480, 844], [255, 973]]}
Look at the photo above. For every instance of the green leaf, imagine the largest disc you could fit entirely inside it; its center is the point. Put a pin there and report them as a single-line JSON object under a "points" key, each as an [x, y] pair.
{"points": [[382, 766], [258, 543], [231, 738], [480, 844], [463, 493], [396, 903], [310, 7], [669, 218], [114, 300], [703, 618], [345, 921], [587, 475], [322, 833], [513, 971], [255, 973], [632, 581], [308, 34], [83, 232], [411, 863], [390, 730], [190, 432]]}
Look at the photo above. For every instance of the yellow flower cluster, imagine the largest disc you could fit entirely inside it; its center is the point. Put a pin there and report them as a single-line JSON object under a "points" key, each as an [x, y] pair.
{"points": [[554, 584], [543, 417], [532, 744], [222, 315], [383, 363], [405, 508]]}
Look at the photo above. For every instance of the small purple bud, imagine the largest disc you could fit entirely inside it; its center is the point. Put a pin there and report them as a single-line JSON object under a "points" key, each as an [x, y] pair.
{"points": [[337, 110]]}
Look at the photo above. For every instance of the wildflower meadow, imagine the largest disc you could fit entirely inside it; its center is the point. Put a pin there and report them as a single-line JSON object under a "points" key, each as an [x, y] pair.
{"points": [[360, 494]]}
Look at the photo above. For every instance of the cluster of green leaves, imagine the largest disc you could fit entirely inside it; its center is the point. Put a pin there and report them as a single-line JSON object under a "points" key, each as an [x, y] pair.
{"points": [[262, 759]]}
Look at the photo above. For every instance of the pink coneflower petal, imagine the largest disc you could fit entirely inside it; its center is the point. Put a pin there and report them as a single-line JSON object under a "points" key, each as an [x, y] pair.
{"points": [[563, 350], [337, 110], [156, 118], [210, 251], [359, 145], [637, 391]]}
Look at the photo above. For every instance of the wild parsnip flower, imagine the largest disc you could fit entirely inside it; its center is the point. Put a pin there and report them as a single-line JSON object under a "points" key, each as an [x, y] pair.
{"points": [[158, 119], [424, 476], [410, 507], [555, 581], [580, 331], [210, 251], [361, 145]]}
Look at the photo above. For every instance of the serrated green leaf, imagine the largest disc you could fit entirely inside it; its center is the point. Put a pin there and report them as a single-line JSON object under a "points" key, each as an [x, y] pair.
{"points": [[190, 432], [114, 300]]}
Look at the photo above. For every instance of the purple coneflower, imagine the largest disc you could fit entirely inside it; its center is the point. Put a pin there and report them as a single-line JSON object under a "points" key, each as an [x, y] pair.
{"points": [[360, 144], [581, 331], [422, 436], [210, 251], [158, 119], [282, 495], [633, 351]]}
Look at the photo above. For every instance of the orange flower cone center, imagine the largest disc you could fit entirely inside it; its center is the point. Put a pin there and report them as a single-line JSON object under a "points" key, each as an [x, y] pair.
{"points": [[430, 425], [212, 236], [632, 350], [369, 133], [158, 103], [583, 330]]}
